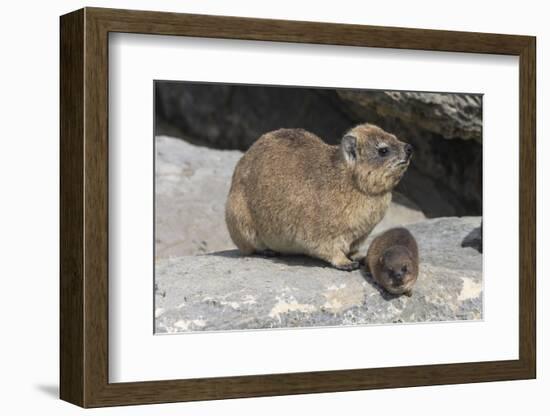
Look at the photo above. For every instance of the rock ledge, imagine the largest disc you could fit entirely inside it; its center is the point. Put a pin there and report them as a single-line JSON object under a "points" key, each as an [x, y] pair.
{"points": [[225, 291]]}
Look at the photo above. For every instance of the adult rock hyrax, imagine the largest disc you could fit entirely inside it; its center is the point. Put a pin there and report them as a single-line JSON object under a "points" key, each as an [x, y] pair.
{"points": [[292, 193], [392, 260]]}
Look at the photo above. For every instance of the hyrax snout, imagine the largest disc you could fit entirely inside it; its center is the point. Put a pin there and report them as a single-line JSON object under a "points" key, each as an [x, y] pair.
{"points": [[292, 193]]}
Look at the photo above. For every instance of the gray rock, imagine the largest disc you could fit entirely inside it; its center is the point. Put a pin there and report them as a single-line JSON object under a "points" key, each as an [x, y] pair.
{"points": [[451, 116], [191, 187], [225, 291]]}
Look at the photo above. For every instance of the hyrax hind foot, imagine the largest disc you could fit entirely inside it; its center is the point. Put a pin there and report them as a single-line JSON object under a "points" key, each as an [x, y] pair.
{"points": [[341, 262]]}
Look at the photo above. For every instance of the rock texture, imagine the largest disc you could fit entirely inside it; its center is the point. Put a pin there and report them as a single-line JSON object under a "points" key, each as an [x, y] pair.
{"points": [[444, 128], [452, 116], [224, 291], [191, 186]]}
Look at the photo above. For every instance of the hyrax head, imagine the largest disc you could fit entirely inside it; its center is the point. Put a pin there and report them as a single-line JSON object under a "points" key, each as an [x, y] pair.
{"points": [[378, 159], [397, 272]]}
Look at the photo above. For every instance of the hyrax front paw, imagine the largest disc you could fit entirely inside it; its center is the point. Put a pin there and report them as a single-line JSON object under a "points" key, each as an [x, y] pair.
{"points": [[358, 257], [348, 267]]}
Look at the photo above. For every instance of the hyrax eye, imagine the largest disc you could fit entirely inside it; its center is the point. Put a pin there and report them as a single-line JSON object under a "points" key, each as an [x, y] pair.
{"points": [[404, 269], [383, 151]]}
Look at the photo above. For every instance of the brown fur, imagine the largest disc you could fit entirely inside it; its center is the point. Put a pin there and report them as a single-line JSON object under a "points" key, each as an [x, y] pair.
{"points": [[292, 193], [394, 251]]}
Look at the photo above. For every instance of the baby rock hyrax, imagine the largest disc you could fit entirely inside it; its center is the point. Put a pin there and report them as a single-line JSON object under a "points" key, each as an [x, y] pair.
{"points": [[392, 260], [292, 193]]}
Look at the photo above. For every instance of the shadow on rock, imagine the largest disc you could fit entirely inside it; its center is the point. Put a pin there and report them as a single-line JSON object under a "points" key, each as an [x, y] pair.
{"points": [[225, 253], [288, 260]]}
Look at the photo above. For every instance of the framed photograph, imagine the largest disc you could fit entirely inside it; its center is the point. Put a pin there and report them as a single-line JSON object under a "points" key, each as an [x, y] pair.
{"points": [[255, 207]]}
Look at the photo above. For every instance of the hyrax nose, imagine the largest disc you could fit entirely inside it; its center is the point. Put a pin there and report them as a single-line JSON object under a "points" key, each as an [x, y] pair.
{"points": [[397, 275], [408, 150]]}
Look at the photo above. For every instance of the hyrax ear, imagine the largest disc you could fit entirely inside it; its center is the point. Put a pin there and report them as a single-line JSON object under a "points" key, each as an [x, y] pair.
{"points": [[349, 148]]}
